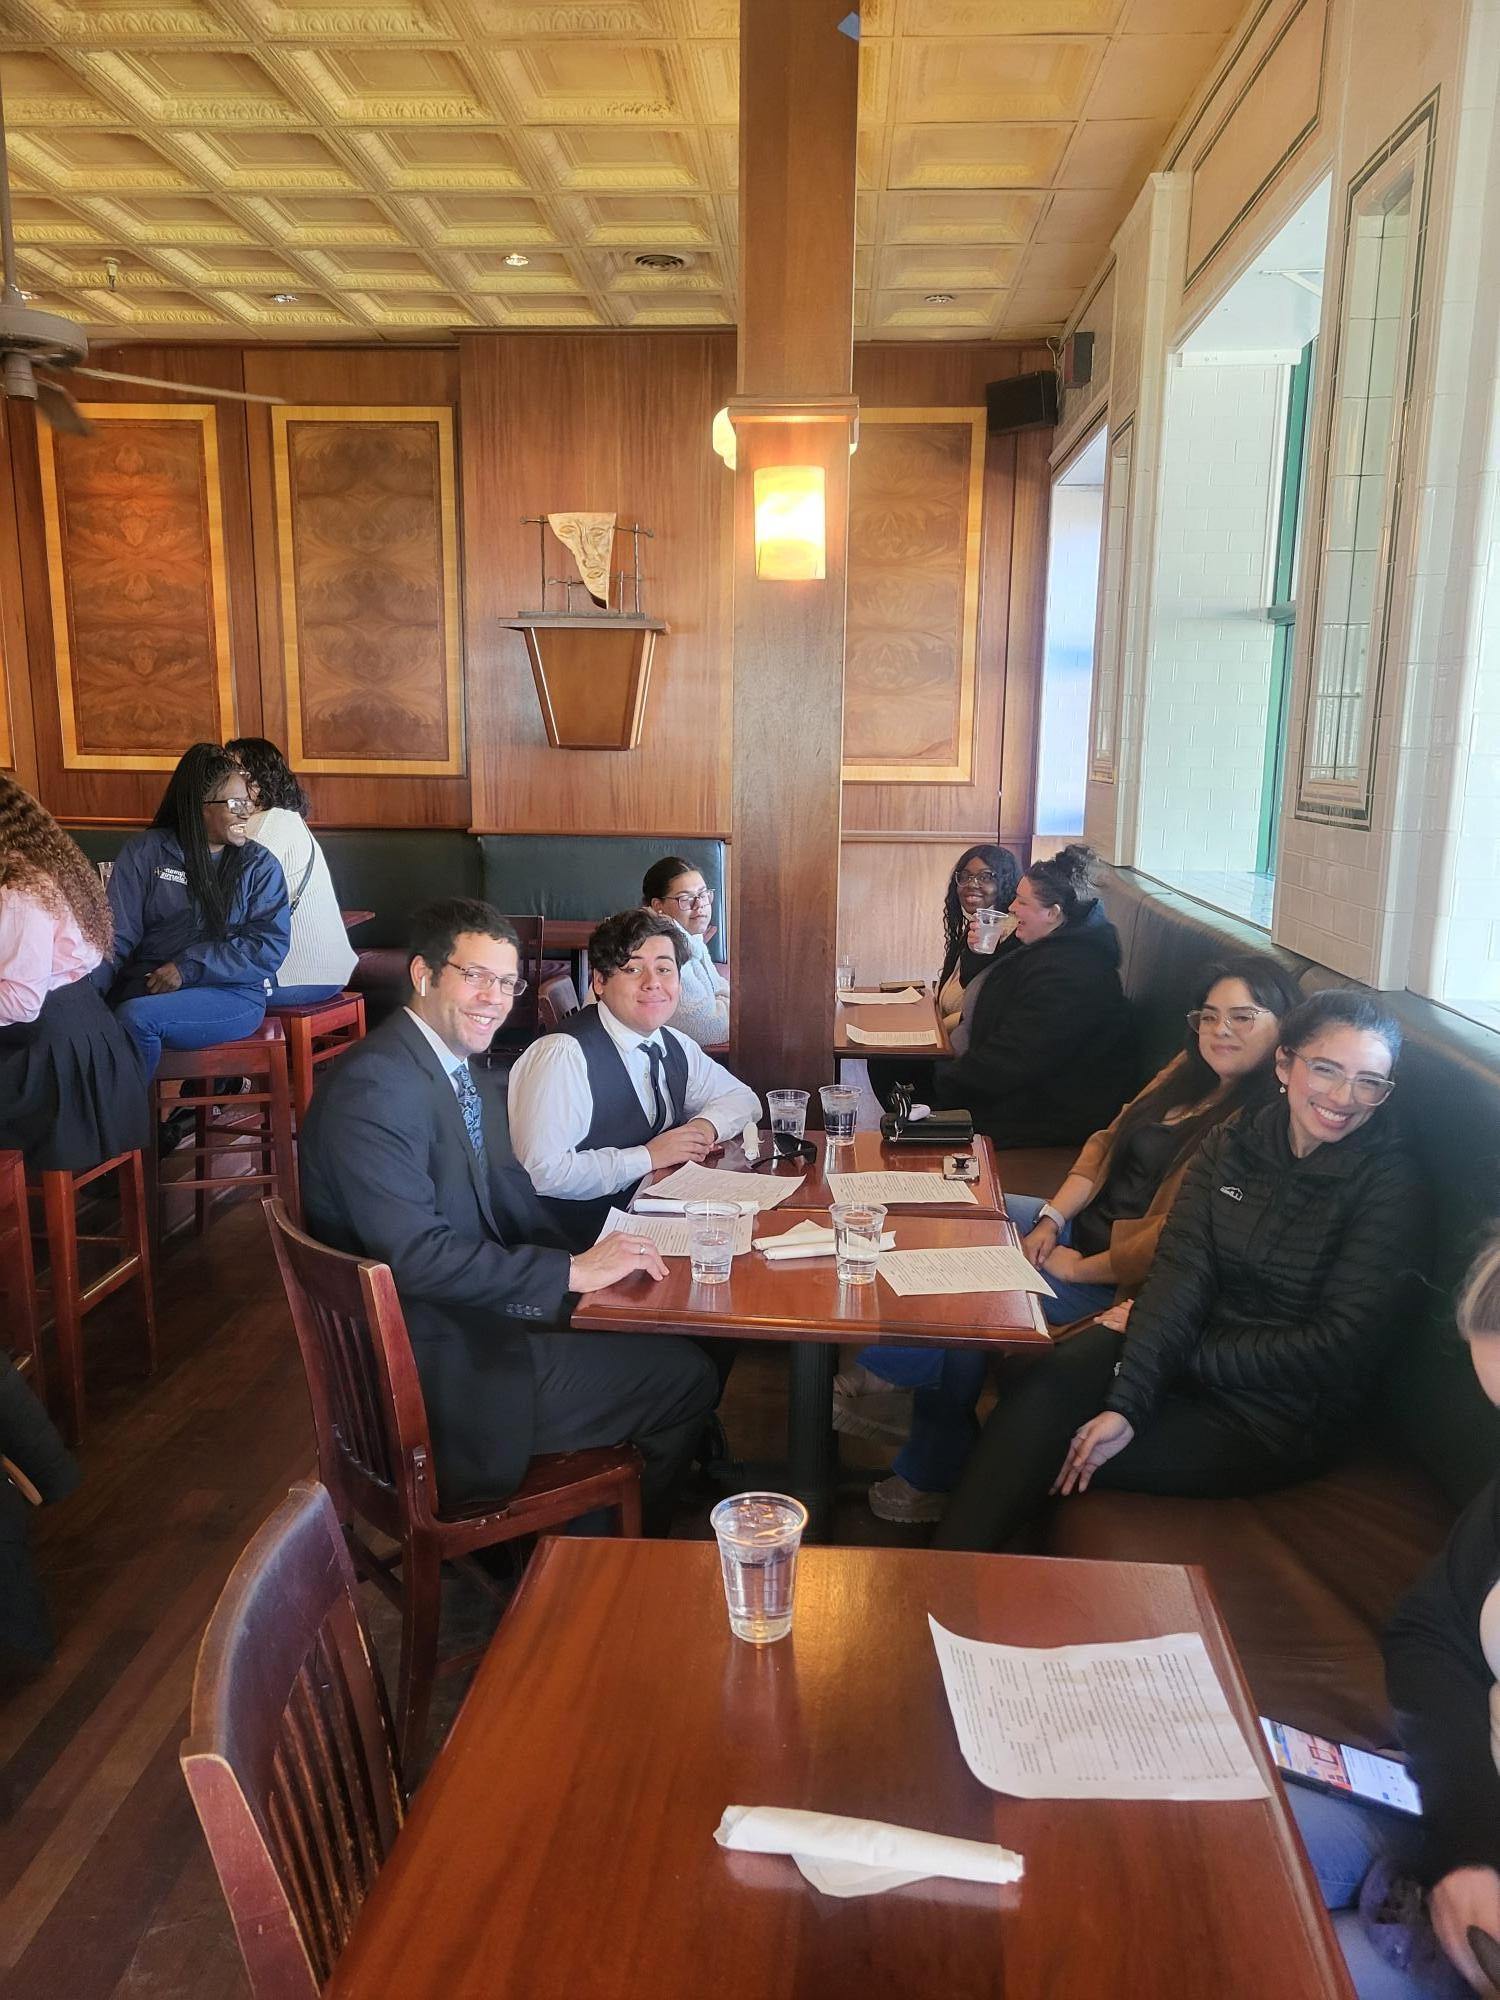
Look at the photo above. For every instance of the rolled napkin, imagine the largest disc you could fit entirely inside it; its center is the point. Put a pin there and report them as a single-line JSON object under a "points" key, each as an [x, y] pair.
{"points": [[808, 1239], [861, 1857]]}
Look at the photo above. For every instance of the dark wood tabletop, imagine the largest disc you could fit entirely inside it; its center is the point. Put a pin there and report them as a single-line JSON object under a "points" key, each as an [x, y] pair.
{"points": [[802, 1299], [867, 1153], [916, 1016], [562, 1844]]}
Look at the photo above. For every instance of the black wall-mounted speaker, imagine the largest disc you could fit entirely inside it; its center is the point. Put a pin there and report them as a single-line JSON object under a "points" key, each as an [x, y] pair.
{"points": [[1024, 402]]}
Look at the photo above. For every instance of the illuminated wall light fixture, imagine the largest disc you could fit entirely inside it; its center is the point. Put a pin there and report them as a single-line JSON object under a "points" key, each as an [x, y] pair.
{"points": [[790, 524]]}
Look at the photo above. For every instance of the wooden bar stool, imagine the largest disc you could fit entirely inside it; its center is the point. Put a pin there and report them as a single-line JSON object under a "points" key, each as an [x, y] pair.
{"points": [[262, 1059], [72, 1298], [17, 1273], [316, 1034]]}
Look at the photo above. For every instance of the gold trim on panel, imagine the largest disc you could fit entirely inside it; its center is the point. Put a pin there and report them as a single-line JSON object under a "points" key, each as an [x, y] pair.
{"points": [[961, 772], [441, 416], [7, 728], [206, 418]]}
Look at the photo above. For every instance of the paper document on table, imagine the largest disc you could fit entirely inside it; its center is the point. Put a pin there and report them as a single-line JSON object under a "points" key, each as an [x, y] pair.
{"points": [[692, 1183], [906, 998], [987, 1267], [891, 1190], [893, 1038], [672, 1234], [1145, 1719]]}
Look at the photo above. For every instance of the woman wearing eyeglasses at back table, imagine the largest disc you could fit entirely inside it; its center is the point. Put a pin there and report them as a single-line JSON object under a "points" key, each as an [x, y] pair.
{"points": [[321, 957], [983, 878], [1285, 1269], [675, 888], [201, 915]]}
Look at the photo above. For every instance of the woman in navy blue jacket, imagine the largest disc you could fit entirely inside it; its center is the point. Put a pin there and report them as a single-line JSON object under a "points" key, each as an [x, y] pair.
{"points": [[202, 918]]}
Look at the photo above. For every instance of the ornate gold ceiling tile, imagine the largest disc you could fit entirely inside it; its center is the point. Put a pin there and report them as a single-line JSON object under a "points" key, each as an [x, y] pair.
{"points": [[618, 273], [317, 21], [876, 17], [861, 308], [713, 70], [869, 159], [1056, 266], [959, 218], [689, 311], [714, 17], [976, 156], [909, 312], [41, 220], [513, 19], [88, 162], [866, 217], [1113, 152], [91, 272], [864, 263], [194, 87], [314, 221], [435, 160], [165, 309], [399, 87], [1085, 215], [310, 309], [581, 313], [605, 160], [956, 268], [1014, 17], [721, 149], [640, 221], [383, 308], [266, 162], [875, 83], [1045, 306], [545, 274], [40, 90], [1163, 17], [478, 222], [592, 83], [1001, 77], [109, 26], [171, 219], [385, 270], [1152, 76], [257, 267]]}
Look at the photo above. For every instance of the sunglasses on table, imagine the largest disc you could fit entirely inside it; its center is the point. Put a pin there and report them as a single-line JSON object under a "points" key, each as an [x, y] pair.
{"points": [[478, 980], [1365, 1089]]}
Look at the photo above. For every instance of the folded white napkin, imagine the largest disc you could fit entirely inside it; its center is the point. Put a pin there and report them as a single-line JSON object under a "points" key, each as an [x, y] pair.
{"points": [[862, 1857], [808, 1239]]}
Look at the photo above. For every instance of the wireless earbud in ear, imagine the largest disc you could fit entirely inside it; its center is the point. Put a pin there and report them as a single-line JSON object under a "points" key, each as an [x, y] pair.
{"points": [[422, 988]]}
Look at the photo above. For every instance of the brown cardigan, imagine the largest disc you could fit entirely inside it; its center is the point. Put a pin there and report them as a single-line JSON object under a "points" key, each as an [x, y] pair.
{"points": [[1133, 1239]]}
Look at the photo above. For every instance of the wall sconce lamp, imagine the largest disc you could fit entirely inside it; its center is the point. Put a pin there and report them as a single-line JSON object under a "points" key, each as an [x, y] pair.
{"points": [[790, 524]]}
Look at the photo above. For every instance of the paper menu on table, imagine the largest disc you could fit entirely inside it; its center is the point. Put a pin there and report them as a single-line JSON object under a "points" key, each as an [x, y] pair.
{"points": [[893, 1038], [906, 998], [1145, 1719], [892, 1190], [693, 1183], [987, 1267], [672, 1234]]}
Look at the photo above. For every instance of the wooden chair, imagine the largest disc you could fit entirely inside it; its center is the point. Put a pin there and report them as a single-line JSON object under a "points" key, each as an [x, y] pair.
{"points": [[17, 1274], [375, 1456], [72, 1298], [317, 1034], [556, 999], [290, 1761], [262, 1058]]}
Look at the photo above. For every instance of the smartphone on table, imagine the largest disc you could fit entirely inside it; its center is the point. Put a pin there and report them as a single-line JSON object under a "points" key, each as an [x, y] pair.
{"points": [[1341, 1769]]}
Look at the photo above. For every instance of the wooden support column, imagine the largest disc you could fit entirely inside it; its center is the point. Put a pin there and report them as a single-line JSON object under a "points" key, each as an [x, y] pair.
{"points": [[799, 82]]}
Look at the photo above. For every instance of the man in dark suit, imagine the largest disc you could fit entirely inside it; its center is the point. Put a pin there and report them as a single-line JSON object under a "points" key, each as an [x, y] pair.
{"points": [[406, 1157]]}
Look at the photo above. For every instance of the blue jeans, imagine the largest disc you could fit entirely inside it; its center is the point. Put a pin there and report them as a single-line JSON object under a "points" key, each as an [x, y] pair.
{"points": [[194, 1017], [1344, 1839], [303, 996], [946, 1381]]}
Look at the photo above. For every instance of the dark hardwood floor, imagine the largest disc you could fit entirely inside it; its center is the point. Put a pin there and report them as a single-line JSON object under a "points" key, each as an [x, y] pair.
{"points": [[106, 1889]]}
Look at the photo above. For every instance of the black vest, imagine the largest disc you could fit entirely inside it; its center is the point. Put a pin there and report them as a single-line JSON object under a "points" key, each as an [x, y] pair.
{"points": [[619, 1118]]}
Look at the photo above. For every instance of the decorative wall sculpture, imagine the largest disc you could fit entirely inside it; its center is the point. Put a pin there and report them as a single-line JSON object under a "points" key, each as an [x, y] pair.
{"points": [[135, 564], [368, 549], [915, 505]]}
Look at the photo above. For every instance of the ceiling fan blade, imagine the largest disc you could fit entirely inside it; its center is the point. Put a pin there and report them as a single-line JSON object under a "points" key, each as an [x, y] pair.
{"points": [[177, 388], [58, 407]]}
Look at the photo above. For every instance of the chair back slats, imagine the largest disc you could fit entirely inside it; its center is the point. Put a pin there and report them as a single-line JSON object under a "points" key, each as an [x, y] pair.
{"points": [[291, 1760], [354, 1392]]}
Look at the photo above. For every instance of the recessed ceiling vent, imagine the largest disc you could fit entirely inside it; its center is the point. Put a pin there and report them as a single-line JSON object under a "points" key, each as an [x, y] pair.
{"points": [[659, 260]]}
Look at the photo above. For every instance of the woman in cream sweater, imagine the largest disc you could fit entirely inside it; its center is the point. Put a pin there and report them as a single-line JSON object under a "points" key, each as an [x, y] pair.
{"points": [[320, 960]]}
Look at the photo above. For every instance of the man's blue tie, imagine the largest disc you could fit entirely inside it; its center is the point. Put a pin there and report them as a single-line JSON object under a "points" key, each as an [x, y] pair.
{"points": [[663, 1110], [468, 1104]]}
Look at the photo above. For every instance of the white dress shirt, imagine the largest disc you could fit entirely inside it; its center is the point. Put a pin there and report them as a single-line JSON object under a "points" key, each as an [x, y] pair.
{"points": [[552, 1107], [452, 1064]]}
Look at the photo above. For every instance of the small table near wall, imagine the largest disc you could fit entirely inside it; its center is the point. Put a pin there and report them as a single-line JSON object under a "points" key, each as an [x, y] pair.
{"points": [[918, 1017]]}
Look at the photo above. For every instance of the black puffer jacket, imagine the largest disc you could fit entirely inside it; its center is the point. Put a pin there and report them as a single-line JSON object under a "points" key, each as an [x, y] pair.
{"points": [[1278, 1282], [1049, 1055]]}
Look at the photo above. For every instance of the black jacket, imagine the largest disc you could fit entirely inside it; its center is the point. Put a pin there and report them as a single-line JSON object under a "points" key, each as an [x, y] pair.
{"points": [[1441, 1687], [1278, 1282], [1049, 1058], [29, 1441], [388, 1172]]}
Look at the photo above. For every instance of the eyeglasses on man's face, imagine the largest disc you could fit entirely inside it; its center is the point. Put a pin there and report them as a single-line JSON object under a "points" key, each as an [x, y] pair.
{"points": [[983, 879], [1241, 1019], [479, 979], [1365, 1089], [687, 899]]}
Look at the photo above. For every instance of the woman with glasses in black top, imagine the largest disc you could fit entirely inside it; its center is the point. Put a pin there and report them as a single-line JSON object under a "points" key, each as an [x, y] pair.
{"points": [[201, 913]]}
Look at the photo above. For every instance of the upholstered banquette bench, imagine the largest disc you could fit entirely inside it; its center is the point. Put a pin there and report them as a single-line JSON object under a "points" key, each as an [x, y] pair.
{"points": [[1307, 1577]]}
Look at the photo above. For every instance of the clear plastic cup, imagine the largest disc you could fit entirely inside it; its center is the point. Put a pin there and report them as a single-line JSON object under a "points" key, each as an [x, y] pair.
{"points": [[994, 926], [711, 1232], [788, 1109], [759, 1535], [857, 1229], [840, 1108], [843, 975]]}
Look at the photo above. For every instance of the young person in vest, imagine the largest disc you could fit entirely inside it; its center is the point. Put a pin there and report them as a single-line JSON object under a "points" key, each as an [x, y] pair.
{"points": [[615, 1093]]}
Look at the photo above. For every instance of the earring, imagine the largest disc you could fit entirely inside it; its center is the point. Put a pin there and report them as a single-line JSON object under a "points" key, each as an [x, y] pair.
{"points": [[1283, 1090]]}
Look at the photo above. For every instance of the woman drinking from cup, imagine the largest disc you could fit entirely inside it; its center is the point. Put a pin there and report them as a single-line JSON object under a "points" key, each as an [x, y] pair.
{"points": [[976, 918], [1094, 1240]]}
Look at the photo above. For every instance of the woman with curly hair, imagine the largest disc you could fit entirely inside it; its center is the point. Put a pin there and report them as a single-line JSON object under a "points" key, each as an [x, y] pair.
{"points": [[72, 1092], [320, 958]]}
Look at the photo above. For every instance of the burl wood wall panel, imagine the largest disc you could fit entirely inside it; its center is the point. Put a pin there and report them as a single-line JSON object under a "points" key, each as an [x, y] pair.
{"points": [[915, 503], [366, 532]]}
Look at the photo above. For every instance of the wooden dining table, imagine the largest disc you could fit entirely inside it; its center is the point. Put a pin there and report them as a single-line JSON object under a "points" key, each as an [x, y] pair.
{"points": [[865, 1153], [562, 1843], [919, 1017]]}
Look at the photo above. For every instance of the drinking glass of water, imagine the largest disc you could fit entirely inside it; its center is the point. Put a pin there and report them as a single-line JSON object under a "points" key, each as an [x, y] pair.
{"points": [[857, 1229], [711, 1232], [993, 927], [843, 975], [759, 1535], [839, 1107], [788, 1110]]}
